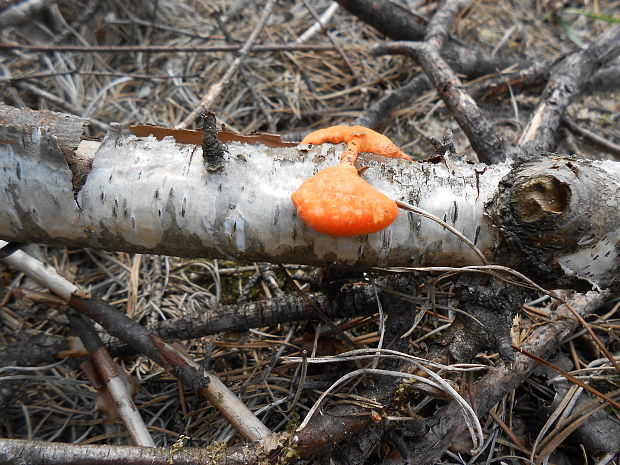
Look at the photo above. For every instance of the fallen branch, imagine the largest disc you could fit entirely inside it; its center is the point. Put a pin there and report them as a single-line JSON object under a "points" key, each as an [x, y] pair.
{"points": [[354, 301], [55, 453], [172, 204]]}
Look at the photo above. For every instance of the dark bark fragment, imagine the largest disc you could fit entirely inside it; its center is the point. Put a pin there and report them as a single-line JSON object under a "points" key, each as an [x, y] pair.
{"points": [[34, 349], [490, 306], [358, 300], [566, 81]]}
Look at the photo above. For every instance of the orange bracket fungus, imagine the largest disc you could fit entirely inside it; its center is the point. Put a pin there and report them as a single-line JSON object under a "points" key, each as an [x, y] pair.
{"points": [[336, 201]]}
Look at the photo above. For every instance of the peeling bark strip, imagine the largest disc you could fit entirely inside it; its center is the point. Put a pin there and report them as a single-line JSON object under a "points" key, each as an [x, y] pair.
{"points": [[68, 130], [150, 196]]}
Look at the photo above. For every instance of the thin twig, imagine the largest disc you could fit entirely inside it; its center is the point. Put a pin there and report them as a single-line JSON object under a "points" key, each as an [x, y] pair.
{"points": [[319, 24], [592, 137], [110, 378], [339, 49]]}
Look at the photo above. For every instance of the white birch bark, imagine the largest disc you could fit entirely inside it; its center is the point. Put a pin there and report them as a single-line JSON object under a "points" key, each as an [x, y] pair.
{"points": [[150, 196]]}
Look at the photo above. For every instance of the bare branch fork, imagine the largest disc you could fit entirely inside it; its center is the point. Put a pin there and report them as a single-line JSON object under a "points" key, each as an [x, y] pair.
{"points": [[489, 147], [571, 74], [566, 81], [101, 369]]}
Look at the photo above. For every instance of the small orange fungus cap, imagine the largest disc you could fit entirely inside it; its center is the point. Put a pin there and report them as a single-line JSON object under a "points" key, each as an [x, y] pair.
{"points": [[336, 201], [363, 139]]}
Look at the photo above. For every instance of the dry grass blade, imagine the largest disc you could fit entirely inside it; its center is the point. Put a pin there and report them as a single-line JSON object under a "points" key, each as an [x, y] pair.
{"points": [[364, 354], [509, 432], [568, 426], [570, 377]]}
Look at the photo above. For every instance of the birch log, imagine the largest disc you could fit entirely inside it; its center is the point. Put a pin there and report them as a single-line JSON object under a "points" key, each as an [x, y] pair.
{"points": [[554, 216]]}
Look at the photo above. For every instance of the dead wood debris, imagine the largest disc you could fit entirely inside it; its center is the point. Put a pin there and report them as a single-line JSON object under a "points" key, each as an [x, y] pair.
{"points": [[288, 91]]}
